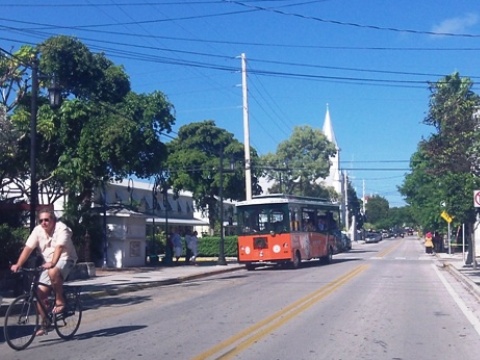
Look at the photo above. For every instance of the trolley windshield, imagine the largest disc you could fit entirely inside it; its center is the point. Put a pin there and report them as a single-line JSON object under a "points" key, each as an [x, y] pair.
{"points": [[264, 218]]}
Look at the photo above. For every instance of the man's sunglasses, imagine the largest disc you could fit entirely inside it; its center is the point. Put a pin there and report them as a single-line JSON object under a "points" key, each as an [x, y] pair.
{"points": [[43, 220]]}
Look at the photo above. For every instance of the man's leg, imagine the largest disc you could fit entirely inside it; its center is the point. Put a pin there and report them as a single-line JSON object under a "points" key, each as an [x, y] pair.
{"points": [[42, 293], [57, 284]]}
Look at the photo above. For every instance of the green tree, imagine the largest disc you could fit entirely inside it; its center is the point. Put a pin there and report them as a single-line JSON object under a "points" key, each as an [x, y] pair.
{"points": [[102, 131], [14, 86], [421, 189], [194, 163], [448, 158], [299, 162], [354, 206], [376, 209]]}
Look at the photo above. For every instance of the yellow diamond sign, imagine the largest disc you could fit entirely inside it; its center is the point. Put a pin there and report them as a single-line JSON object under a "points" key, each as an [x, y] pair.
{"points": [[446, 216]]}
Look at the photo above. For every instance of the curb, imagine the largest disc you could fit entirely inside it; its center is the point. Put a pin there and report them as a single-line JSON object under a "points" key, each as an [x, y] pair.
{"points": [[122, 289], [471, 286]]}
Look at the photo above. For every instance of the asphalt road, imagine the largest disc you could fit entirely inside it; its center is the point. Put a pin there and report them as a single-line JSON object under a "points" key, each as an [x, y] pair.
{"points": [[379, 301]]}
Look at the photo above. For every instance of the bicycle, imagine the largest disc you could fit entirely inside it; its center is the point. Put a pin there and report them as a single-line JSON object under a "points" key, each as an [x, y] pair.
{"points": [[22, 316]]}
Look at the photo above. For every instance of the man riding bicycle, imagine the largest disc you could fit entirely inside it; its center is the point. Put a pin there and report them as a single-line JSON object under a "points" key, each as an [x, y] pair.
{"points": [[54, 240]]}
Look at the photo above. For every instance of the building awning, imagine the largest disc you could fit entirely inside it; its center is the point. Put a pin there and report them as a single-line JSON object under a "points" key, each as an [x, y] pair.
{"points": [[178, 221]]}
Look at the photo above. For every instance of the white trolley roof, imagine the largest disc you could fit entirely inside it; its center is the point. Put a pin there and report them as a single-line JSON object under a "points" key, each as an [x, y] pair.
{"points": [[286, 199]]}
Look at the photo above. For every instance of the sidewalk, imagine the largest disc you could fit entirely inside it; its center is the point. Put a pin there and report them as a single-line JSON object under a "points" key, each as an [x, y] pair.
{"points": [[455, 264], [118, 281]]}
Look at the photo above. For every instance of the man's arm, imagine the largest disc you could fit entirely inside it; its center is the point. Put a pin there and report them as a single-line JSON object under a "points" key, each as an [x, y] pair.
{"points": [[55, 258], [22, 258]]}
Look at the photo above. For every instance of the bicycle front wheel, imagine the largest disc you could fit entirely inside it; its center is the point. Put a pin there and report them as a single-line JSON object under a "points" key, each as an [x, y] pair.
{"points": [[68, 322], [21, 322]]}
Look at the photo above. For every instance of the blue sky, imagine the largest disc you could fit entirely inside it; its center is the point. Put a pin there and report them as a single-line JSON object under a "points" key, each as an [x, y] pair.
{"points": [[370, 60]]}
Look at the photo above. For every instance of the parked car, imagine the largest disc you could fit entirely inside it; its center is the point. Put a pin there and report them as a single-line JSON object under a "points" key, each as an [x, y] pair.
{"points": [[373, 237]]}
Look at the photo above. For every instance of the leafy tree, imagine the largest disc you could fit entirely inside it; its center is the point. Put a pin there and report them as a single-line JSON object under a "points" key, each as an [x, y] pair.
{"points": [[422, 192], [354, 206], [14, 78], [300, 162], [447, 160], [102, 131], [195, 159], [376, 209]]}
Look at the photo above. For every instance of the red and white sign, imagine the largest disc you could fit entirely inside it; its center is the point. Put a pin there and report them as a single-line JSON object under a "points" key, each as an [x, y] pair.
{"points": [[476, 198]]}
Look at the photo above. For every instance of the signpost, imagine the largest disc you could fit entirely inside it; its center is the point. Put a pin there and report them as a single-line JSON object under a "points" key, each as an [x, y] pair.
{"points": [[446, 216]]}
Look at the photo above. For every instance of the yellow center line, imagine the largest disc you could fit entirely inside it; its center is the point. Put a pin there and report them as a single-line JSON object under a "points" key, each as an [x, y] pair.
{"points": [[389, 249], [252, 334]]}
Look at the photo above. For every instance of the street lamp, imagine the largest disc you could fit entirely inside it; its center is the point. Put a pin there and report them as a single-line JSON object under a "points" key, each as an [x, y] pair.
{"points": [[154, 205], [130, 190], [55, 101], [221, 251], [168, 250], [105, 243]]}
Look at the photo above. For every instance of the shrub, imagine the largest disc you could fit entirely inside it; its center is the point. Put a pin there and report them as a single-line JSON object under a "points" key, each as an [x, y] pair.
{"points": [[12, 241], [210, 245]]}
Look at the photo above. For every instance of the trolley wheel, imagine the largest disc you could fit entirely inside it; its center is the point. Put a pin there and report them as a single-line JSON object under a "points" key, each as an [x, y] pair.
{"points": [[297, 260], [250, 267], [68, 322], [21, 322], [327, 259]]}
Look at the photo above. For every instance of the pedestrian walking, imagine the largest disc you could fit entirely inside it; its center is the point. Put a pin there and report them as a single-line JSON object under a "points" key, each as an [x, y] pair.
{"points": [[177, 246], [429, 243], [188, 251], [193, 246]]}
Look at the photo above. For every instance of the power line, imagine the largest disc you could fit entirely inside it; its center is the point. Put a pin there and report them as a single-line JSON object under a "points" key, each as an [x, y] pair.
{"points": [[357, 25]]}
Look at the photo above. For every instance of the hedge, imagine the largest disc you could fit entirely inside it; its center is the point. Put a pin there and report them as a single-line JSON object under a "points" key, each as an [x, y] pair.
{"points": [[210, 245]]}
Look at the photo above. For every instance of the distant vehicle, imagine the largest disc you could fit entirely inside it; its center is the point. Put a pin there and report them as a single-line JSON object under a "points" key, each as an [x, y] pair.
{"points": [[386, 234], [373, 237], [398, 233]]}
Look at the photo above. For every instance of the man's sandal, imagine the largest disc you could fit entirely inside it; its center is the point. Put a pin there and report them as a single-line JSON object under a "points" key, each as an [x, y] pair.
{"points": [[59, 309]]}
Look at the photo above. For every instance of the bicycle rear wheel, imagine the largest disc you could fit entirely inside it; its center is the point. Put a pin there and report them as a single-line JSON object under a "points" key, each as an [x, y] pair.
{"points": [[68, 322], [21, 322]]}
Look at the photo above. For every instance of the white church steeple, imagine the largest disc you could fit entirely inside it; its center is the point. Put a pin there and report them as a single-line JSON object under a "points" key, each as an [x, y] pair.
{"points": [[334, 178]]}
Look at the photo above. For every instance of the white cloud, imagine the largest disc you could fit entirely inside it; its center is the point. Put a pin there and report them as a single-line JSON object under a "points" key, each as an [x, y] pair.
{"points": [[456, 25]]}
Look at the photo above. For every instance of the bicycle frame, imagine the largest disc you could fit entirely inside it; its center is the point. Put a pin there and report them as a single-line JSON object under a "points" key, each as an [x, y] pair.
{"points": [[33, 294]]}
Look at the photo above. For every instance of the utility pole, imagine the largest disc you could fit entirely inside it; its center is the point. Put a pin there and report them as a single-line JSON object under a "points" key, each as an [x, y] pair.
{"points": [[345, 187], [246, 131], [33, 146], [363, 196], [221, 251]]}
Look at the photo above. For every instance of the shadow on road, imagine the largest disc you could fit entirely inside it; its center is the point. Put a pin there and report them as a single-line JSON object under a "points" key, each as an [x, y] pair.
{"points": [[93, 303], [108, 332]]}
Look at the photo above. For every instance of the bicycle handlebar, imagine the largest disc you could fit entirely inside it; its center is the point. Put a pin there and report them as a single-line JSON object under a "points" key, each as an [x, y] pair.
{"points": [[33, 270]]}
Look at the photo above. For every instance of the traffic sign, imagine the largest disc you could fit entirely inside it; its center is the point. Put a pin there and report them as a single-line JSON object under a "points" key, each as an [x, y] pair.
{"points": [[446, 216], [476, 198]]}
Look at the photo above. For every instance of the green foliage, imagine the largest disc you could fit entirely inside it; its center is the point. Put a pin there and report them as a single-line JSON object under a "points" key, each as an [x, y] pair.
{"points": [[442, 173], [196, 158], [300, 161], [376, 209], [209, 246], [12, 241]]}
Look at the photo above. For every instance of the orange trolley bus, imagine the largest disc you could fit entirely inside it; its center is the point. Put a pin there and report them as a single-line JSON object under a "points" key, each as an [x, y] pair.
{"points": [[285, 229]]}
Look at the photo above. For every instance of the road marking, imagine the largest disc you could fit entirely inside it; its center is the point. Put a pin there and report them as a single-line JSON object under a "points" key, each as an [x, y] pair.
{"points": [[246, 338], [466, 311], [389, 249]]}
